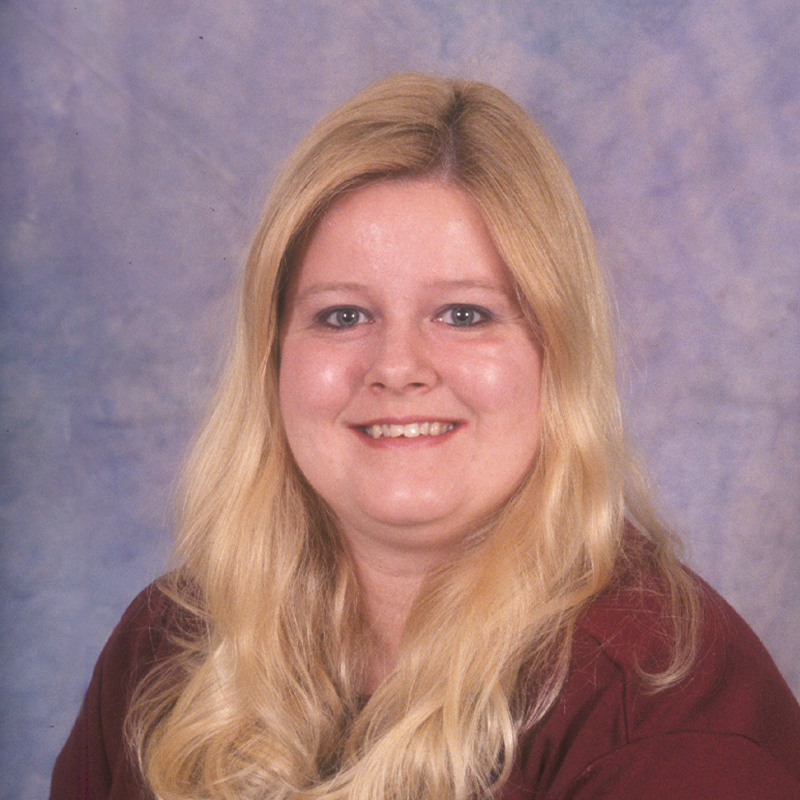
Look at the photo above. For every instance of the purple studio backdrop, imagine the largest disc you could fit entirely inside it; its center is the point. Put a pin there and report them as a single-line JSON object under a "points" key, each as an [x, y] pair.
{"points": [[138, 140]]}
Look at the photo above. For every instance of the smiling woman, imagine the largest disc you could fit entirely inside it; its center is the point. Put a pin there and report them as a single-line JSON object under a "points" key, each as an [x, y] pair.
{"points": [[416, 558], [401, 316], [409, 383]]}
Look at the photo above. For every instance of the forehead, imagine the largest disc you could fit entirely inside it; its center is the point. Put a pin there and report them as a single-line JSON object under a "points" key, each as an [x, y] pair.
{"points": [[417, 228]]}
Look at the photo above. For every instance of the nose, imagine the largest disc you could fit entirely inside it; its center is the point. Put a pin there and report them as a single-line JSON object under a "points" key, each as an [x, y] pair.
{"points": [[401, 359]]}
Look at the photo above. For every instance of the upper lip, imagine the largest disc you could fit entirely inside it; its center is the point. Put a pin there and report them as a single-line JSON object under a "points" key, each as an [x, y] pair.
{"points": [[405, 421]]}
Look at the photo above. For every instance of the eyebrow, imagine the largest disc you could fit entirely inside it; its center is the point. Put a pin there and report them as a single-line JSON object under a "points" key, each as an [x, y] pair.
{"points": [[321, 288], [469, 284], [345, 286]]}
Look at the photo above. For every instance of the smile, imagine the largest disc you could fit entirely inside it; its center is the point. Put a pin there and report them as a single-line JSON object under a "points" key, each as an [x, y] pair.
{"points": [[409, 431]]}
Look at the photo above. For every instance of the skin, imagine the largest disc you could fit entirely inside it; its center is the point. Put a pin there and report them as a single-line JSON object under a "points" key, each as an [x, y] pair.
{"points": [[402, 311]]}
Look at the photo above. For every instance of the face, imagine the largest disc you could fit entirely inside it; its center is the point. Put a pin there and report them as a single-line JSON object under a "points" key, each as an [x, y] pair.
{"points": [[409, 380]]}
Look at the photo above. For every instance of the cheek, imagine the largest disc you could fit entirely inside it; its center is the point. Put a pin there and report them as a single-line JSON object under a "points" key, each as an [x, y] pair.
{"points": [[313, 381], [503, 380]]}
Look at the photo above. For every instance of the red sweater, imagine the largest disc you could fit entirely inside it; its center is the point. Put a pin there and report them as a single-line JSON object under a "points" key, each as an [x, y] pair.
{"points": [[731, 730]]}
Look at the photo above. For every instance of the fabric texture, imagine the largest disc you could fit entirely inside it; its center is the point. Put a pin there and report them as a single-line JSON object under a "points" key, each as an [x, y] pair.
{"points": [[730, 730]]}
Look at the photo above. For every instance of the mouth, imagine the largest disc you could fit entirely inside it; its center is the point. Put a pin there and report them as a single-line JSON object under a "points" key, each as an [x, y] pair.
{"points": [[409, 430]]}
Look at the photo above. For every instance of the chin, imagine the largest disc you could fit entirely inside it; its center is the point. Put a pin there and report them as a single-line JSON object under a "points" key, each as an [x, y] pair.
{"points": [[410, 509], [422, 527]]}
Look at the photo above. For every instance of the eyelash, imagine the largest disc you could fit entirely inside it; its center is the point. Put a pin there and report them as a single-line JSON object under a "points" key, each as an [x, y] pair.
{"points": [[484, 314], [326, 317]]}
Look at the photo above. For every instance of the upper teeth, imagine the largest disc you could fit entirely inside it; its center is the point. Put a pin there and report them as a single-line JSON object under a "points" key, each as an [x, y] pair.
{"points": [[411, 430]]}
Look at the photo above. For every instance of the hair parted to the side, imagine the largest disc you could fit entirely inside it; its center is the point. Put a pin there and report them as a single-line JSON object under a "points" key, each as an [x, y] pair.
{"points": [[264, 700]]}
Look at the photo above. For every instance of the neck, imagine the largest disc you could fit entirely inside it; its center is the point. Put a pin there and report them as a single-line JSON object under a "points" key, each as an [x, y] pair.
{"points": [[389, 582]]}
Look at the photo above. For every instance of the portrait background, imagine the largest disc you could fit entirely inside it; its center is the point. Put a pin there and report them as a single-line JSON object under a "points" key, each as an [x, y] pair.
{"points": [[138, 142]]}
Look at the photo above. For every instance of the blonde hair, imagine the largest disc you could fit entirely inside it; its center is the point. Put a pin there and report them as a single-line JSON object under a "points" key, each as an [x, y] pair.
{"points": [[262, 698]]}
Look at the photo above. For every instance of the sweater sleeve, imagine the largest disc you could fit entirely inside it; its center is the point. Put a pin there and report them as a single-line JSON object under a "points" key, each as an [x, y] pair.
{"points": [[730, 729], [94, 763], [704, 766]]}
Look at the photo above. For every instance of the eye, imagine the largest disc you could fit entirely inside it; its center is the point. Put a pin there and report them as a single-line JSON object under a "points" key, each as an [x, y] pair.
{"points": [[342, 317], [463, 316]]}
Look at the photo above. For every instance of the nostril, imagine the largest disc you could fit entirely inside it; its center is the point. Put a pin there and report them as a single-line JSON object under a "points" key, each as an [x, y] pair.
{"points": [[400, 363]]}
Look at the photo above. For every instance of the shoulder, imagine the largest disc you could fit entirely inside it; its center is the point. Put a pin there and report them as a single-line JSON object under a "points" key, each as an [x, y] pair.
{"points": [[144, 626], [141, 639], [94, 761], [734, 687], [731, 728]]}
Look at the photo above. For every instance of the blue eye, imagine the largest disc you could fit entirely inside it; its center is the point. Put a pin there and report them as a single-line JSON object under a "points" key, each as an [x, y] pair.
{"points": [[463, 316], [342, 317]]}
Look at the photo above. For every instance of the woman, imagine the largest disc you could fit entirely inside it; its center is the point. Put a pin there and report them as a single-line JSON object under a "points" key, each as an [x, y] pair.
{"points": [[415, 558]]}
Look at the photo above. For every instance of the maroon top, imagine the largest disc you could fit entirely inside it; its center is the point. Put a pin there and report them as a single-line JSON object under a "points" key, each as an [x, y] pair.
{"points": [[729, 731]]}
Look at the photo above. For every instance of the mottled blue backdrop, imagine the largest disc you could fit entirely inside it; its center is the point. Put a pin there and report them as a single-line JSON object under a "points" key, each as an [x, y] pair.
{"points": [[137, 142]]}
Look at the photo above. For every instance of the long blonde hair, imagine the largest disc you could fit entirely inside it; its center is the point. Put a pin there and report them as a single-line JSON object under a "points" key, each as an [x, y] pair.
{"points": [[263, 698]]}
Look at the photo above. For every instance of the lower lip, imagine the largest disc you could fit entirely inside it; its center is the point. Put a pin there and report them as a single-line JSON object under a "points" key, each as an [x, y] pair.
{"points": [[393, 442]]}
